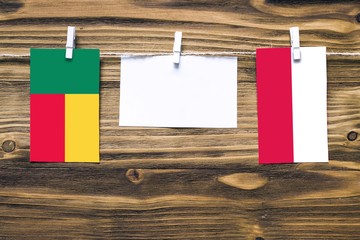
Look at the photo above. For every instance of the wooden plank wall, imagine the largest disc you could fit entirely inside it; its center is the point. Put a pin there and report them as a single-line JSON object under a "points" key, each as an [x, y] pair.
{"points": [[180, 183]]}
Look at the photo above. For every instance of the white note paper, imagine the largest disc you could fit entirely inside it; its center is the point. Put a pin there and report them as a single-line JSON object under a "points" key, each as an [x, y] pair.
{"points": [[200, 92], [309, 89]]}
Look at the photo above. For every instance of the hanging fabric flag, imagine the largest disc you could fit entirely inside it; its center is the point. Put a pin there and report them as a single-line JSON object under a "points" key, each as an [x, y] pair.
{"points": [[64, 105], [292, 110]]}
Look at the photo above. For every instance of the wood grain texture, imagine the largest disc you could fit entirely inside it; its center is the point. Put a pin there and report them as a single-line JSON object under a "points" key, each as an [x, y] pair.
{"points": [[165, 183]]}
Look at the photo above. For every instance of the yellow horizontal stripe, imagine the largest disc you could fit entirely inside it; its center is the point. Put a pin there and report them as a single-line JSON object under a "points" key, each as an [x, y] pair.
{"points": [[82, 128]]}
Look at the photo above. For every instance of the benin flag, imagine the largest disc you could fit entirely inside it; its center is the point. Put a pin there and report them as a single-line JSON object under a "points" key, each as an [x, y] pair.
{"points": [[292, 112], [64, 105]]}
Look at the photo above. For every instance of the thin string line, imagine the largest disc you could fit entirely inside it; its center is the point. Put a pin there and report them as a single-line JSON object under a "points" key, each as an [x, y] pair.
{"points": [[129, 54]]}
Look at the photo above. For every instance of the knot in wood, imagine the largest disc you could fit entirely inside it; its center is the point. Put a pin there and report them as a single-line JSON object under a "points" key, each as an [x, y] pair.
{"points": [[8, 146], [259, 238], [135, 176], [358, 18], [352, 136]]}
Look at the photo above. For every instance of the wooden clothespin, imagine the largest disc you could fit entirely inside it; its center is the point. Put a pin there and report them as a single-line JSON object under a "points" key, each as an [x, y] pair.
{"points": [[70, 42], [295, 42], [177, 47]]}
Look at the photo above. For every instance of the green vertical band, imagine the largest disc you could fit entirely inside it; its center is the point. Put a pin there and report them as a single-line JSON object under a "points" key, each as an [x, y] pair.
{"points": [[52, 73]]}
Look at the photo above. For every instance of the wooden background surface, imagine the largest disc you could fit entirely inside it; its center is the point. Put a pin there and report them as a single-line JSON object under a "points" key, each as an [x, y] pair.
{"points": [[180, 183]]}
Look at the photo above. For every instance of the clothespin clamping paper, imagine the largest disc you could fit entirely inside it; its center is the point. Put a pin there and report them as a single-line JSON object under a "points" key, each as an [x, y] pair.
{"points": [[70, 42], [295, 43], [177, 47]]}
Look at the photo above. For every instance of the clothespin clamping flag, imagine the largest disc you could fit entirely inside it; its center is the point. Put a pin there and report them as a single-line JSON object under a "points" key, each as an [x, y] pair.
{"points": [[292, 109], [64, 103]]}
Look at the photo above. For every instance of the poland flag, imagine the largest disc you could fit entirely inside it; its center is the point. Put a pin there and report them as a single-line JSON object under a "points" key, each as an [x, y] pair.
{"points": [[292, 112]]}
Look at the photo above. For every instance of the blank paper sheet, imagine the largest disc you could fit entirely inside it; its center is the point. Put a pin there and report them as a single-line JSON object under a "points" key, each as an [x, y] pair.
{"points": [[200, 92]]}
